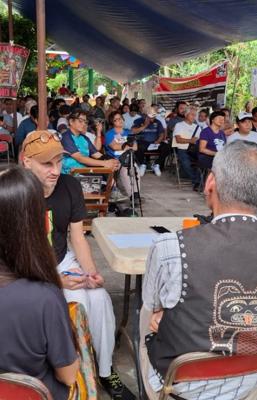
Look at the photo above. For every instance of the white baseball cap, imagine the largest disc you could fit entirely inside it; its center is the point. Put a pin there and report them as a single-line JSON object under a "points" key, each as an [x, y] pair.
{"points": [[244, 115]]}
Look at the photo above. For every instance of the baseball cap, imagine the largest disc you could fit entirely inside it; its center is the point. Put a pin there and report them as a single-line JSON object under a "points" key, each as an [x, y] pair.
{"points": [[244, 115], [30, 103], [62, 123], [42, 145]]}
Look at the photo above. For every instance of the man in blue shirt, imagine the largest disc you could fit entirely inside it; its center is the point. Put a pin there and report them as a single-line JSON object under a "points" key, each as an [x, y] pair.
{"points": [[150, 131], [80, 152], [26, 126]]}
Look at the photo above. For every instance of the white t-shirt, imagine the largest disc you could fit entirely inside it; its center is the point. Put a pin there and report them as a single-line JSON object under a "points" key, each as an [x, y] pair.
{"points": [[129, 120], [251, 137], [91, 136], [162, 121], [186, 131]]}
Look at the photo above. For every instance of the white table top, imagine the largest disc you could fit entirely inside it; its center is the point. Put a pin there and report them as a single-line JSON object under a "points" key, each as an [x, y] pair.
{"points": [[128, 260]]}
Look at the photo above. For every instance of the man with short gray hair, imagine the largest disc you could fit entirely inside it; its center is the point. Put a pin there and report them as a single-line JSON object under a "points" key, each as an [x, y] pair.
{"points": [[187, 133], [200, 286]]}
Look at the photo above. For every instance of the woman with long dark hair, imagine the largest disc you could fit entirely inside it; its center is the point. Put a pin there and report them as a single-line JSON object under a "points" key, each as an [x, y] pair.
{"points": [[35, 333]]}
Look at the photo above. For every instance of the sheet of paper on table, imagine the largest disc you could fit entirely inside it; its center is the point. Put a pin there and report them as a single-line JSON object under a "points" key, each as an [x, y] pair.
{"points": [[153, 146], [136, 240]]}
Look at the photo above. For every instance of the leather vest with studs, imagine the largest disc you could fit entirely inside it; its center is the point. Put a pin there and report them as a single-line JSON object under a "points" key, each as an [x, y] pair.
{"points": [[217, 310]]}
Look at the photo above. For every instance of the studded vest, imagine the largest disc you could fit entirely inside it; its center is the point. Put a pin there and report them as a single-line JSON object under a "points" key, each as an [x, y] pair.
{"points": [[217, 310]]}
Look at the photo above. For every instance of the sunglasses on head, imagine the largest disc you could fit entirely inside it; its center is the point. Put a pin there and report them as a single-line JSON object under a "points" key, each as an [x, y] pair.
{"points": [[44, 138]]}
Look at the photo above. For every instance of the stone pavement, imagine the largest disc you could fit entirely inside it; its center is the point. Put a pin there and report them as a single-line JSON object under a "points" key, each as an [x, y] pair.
{"points": [[161, 198]]}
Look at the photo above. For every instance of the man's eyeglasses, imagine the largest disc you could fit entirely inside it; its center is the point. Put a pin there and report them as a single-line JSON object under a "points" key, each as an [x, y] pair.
{"points": [[44, 138], [82, 120], [118, 119]]}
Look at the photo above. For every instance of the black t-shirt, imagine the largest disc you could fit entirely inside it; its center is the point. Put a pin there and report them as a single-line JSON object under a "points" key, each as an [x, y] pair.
{"points": [[35, 333], [65, 205]]}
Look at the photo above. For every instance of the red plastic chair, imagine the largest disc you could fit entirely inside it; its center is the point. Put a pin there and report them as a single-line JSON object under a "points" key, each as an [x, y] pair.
{"points": [[22, 387], [4, 149], [4, 137], [205, 366]]}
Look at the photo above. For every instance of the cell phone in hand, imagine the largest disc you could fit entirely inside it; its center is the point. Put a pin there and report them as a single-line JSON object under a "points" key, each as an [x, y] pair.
{"points": [[71, 273], [159, 229]]}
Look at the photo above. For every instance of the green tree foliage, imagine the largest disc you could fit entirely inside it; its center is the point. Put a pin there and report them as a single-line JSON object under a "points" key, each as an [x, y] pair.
{"points": [[80, 81], [56, 83]]}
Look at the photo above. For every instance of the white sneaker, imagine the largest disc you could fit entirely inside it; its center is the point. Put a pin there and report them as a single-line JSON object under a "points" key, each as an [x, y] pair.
{"points": [[117, 196], [142, 170], [156, 169]]}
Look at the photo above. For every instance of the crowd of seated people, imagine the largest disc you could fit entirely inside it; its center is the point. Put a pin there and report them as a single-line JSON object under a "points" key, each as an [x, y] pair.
{"points": [[196, 148], [155, 130], [77, 138], [187, 128], [35, 262], [84, 128]]}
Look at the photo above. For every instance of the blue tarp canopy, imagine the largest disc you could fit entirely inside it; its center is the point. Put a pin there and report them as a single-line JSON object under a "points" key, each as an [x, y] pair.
{"points": [[130, 39]]}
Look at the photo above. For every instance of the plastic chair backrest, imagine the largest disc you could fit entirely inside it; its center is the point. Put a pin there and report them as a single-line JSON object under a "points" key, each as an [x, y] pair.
{"points": [[4, 147], [5, 137], [22, 387], [206, 366]]}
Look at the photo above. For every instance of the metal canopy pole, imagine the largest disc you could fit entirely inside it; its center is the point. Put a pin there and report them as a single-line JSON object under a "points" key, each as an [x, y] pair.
{"points": [[41, 33]]}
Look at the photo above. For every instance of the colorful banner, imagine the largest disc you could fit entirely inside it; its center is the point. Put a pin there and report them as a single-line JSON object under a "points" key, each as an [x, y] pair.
{"points": [[57, 62], [13, 60], [207, 88]]}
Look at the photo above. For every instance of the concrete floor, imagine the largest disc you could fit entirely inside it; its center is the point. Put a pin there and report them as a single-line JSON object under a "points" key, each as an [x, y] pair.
{"points": [[161, 197]]}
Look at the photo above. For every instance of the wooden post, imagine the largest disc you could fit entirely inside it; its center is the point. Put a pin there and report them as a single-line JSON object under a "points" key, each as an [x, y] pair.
{"points": [[10, 20], [0, 29], [41, 33], [11, 40]]}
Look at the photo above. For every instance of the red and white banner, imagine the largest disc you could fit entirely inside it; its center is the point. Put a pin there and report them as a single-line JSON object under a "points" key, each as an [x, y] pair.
{"points": [[208, 88], [13, 60]]}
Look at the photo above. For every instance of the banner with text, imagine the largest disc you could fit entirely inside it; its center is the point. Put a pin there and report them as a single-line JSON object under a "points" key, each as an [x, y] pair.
{"points": [[13, 60], [208, 88]]}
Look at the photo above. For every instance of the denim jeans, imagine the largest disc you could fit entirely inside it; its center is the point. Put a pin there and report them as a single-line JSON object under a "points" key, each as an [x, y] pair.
{"points": [[163, 151], [185, 162]]}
